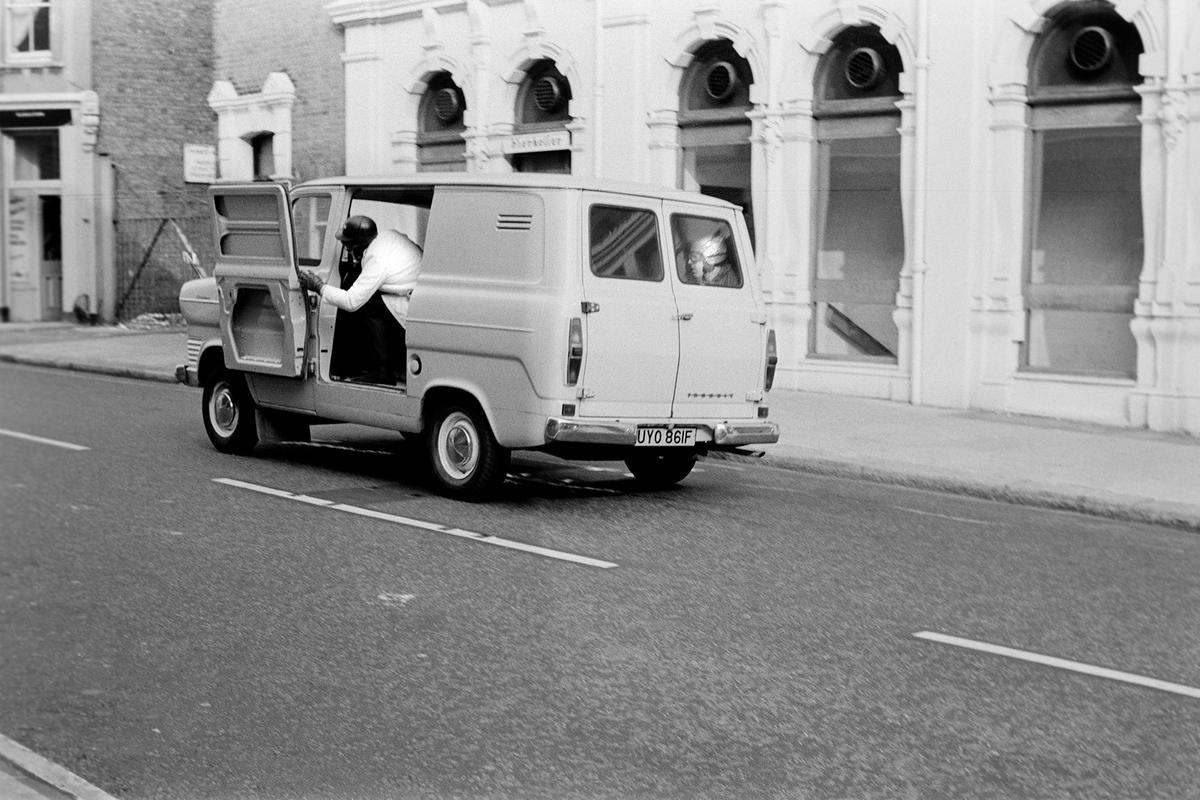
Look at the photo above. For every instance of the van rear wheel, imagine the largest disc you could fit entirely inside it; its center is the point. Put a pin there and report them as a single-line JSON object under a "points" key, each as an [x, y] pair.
{"points": [[468, 463], [660, 470], [229, 413]]}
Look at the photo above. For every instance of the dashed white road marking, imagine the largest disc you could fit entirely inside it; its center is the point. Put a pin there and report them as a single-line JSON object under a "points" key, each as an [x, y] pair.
{"points": [[1061, 663], [944, 516], [421, 524], [42, 440]]}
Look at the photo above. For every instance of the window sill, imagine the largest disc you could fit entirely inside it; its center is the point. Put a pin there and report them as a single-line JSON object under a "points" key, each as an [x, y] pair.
{"points": [[1048, 376]]}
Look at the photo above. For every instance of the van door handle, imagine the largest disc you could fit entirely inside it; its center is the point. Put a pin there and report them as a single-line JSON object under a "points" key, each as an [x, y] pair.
{"points": [[684, 317]]}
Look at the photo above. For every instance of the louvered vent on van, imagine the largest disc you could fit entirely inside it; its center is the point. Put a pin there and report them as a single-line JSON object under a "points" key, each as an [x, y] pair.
{"points": [[514, 222]]}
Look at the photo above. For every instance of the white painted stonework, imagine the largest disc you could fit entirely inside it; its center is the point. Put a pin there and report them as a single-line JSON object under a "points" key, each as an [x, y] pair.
{"points": [[964, 128]]}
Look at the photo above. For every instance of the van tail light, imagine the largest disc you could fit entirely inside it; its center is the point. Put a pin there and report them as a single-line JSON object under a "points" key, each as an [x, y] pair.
{"points": [[574, 351], [772, 360]]}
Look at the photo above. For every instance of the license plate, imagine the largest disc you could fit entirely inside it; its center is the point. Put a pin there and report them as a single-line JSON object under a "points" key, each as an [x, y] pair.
{"points": [[666, 437]]}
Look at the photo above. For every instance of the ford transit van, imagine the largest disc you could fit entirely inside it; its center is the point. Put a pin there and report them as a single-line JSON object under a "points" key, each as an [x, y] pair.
{"points": [[579, 317]]}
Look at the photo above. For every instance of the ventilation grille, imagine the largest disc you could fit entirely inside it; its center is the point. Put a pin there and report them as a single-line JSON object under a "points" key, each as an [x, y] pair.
{"points": [[720, 81], [864, 68], [548, 94], [514, 222], [446, 105], [1091, 49]]}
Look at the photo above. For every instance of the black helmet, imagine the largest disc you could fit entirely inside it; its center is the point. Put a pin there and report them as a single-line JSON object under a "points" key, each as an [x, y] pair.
{"points": [[358, 230]]}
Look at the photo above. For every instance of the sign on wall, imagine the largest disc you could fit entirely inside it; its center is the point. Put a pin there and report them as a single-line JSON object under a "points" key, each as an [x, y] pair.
{"points": [[536, 142], [35, 118], [199, 163]]}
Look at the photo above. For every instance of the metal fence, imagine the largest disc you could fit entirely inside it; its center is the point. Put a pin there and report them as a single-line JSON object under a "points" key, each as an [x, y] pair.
{"points": [[154, 258]]}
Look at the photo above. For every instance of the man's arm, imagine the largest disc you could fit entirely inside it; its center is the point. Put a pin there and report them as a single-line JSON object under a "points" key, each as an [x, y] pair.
{"points": [[367, 283]]}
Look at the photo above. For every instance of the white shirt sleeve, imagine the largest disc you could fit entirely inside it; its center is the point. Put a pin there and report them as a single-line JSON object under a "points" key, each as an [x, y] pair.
{"points": [[390, 264]]}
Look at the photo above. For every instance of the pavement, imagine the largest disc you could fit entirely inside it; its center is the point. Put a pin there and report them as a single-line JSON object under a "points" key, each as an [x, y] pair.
{"points": [[1125, 474]]}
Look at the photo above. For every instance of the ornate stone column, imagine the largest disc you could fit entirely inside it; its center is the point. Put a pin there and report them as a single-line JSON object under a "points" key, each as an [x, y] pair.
{"points": [[664, 146], [1166, 324], [998, 311]]}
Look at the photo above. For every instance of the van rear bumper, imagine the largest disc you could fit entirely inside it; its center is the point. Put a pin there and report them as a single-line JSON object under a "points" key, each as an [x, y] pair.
{"points": [[609, 432]]}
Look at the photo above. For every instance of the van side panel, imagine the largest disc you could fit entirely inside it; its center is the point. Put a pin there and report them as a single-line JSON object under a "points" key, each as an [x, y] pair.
{"points": [[488, 313]]}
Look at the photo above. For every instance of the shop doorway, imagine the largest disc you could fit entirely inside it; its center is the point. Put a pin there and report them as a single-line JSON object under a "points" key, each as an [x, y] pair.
{"points": [[32, 258]]}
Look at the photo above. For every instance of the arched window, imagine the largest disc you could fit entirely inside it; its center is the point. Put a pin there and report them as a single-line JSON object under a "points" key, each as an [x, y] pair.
{"points": [[440, 143], [1084, 248], [714, 131], [858, 227], [541, 141]]}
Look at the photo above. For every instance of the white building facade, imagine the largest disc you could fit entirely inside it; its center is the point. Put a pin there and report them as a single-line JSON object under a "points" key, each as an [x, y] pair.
{"points": [[991, 204]]}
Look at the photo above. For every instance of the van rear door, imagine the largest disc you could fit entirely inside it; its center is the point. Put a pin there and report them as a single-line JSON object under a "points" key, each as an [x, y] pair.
{"points": [[262, 307], [631, 335], [722, 317]]}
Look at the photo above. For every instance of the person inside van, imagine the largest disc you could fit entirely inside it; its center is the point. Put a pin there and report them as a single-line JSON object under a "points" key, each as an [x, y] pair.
{"points": [[375, 300], [708, 263]]}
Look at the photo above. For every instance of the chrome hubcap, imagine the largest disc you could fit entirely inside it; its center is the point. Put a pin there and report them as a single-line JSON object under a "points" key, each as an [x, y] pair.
{"points": [[459, 448], [224, 410]]}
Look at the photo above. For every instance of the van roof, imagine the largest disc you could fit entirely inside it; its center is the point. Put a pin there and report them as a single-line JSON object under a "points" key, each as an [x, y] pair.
{"points": [[530, 180]]}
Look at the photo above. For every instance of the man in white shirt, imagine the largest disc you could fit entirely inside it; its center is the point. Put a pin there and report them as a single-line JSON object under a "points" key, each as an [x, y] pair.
{"points": [[377, 298]]}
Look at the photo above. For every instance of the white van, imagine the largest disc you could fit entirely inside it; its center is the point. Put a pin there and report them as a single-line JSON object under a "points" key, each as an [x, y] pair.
{"points": [[552, 313]]}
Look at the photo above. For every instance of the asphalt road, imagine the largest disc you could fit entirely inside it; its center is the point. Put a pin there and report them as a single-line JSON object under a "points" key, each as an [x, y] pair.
{"points": [[311, 622]]}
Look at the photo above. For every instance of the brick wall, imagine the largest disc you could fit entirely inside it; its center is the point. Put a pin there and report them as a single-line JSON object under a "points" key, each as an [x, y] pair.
{"points": [[256, 37], [153, 68]]}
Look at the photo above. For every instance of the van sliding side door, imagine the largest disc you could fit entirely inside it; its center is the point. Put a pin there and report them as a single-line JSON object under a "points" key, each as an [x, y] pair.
{"points": [[263, 315]]}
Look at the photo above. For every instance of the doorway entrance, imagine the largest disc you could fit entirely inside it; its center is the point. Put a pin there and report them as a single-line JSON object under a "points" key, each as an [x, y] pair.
{"points": [[32, 224]]}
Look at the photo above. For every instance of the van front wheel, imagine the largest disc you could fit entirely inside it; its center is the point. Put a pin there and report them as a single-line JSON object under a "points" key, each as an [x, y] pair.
{"points": [[229, 413], [661, 471], [468, 463]]}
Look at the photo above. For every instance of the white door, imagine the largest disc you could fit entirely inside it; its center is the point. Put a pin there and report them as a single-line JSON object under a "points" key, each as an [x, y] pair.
{"points": [[631, 335], [722, 327], [262, 308]]}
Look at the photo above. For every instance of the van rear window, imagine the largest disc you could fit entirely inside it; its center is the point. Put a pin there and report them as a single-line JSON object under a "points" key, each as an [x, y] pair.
{"points": [[624, 243], [705, 254]]}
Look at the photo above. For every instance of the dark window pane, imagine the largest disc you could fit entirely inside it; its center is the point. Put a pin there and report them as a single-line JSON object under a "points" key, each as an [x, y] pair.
{"points": [[1087, 251], [860, 248], [624, 244]]}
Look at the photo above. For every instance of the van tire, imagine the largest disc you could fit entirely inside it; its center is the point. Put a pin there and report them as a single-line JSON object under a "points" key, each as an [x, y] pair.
{"points": [[658, 471], [467, 461], [229, 413]]}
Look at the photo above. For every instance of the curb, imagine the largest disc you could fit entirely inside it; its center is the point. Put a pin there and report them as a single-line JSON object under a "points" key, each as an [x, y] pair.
{"points": [[45, 773], [99, 369], [1139, 511]]}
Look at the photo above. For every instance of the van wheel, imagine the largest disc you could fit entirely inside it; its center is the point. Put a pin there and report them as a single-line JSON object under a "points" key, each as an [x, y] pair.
{"points": [[468, 463], [661, 471], [229, 413]]}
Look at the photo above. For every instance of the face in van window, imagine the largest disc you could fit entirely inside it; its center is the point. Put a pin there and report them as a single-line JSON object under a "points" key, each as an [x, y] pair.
{"points": [[624, 243], [705, 254]]}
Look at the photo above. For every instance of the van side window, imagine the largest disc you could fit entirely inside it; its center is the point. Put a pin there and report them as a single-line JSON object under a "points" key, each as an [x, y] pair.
{"points": [[310, 218], [624, 243], [705, 253]]}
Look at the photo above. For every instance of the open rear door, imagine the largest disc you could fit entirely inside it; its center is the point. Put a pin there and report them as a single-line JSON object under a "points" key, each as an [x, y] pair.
{"points": [[263, 315]]}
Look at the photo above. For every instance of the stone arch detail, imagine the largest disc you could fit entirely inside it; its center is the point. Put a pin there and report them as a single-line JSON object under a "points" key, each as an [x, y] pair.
{"points": [[417, 80], [819, 38], [536, 49], [705, 28], [1010, 60]]}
